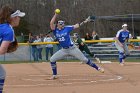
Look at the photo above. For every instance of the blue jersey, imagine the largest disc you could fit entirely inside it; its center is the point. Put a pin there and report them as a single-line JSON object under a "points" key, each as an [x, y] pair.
{"points": [[63, 36], [122, 35], [6, 33]]}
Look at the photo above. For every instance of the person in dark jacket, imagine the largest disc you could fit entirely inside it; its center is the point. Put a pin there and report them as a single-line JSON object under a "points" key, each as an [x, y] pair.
{"points": [[83, 47]]}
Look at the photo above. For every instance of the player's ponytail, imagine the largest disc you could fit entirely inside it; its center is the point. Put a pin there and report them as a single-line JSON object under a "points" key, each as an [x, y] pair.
{"points": [[5, 13]]}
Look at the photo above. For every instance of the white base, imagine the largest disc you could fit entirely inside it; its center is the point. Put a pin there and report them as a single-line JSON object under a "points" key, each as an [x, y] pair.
{"points": [[106, 62]]}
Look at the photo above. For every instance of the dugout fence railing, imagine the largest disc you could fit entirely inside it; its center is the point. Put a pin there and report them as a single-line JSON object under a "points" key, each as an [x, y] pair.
{"points": [[104, 49]]}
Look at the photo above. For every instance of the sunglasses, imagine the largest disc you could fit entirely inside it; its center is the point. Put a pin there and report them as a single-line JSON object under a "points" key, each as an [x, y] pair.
{"points": [[61, 22]]}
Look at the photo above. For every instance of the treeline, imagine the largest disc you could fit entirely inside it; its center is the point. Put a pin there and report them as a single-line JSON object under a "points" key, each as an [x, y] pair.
{"points": [[39, 13]]}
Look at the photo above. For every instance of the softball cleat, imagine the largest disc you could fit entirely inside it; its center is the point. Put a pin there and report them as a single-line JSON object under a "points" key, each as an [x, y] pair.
{"points": [[101, 70], [98, 60], [53, 77], [122, 64]]}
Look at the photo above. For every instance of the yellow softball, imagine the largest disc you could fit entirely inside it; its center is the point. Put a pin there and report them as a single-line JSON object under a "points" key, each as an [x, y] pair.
{"points": [[57, 11]]}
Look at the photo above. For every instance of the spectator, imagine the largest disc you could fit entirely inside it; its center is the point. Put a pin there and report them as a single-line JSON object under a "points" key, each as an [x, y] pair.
{"points": [[88, 37], [30, 36], [34, 48], [39, 47], [49, 47], [41, 37], [95, 37]]}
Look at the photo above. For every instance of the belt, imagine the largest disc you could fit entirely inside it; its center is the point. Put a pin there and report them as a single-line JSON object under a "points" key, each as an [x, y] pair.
{"points": [[67, 47]]}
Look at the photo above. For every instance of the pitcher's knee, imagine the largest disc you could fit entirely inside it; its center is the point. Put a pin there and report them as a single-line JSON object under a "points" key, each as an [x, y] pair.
{"points": [[2, 73], [85, 60], [52, 59]]}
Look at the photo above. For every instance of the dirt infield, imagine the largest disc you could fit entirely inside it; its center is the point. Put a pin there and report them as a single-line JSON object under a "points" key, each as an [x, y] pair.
{"points": [[73, 78]]}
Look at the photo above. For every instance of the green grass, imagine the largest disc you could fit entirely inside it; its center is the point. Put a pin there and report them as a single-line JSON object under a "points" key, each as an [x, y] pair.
{"points": [[128, 60], [18, 62], [15, 62]]}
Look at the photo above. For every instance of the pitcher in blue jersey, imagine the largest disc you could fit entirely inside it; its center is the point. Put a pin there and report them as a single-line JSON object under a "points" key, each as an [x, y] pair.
{"points": [[121, 43], [62, 34], [8, 19]]}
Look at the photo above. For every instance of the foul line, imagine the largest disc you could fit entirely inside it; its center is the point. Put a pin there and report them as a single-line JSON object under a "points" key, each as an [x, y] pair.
{"points": [[68, 83]]}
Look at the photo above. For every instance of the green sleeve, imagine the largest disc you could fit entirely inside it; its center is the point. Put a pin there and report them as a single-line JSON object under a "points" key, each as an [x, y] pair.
{"points": [[79, 41]]}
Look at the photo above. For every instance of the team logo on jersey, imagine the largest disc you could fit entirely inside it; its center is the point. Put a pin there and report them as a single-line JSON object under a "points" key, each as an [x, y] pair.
{"points": [[125, 34], [61, 35]]}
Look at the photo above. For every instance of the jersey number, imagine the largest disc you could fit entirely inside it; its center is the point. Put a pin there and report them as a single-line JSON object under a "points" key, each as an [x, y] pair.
{"points": [[62, 39]]}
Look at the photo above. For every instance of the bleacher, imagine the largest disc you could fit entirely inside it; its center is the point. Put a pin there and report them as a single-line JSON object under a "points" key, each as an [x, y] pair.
{"points": [[109, 51]]}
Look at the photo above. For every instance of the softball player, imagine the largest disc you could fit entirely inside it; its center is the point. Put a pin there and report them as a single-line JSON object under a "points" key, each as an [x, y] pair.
{"points": [[83, 47], [8, 20], [62, 34], [121, 40]]}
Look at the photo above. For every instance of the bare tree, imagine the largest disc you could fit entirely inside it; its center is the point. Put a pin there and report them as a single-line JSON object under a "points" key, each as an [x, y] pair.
{"points": [[39, 13]]}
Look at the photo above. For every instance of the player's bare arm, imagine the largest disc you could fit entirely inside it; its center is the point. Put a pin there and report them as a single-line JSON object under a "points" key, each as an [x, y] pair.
{"points": [[52, 22], [80, 24], [76, 26], [4, 47]]}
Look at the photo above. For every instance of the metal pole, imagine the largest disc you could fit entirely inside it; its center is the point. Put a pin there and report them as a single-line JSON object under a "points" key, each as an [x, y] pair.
{"points": [[94, 25], [133, 25], [4, 57], [30, 48]]}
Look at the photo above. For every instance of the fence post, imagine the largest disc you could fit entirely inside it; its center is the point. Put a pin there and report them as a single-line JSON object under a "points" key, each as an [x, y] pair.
{"points": [[4, 57], [30, 52]]}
